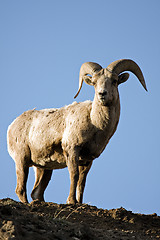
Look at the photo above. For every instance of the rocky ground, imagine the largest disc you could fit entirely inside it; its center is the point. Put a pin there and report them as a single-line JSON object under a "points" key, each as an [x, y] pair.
{"points": [[37, 221]]}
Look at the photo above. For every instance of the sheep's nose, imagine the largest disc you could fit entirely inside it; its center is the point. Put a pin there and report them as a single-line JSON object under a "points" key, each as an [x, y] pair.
{"points": [[102, 94]]}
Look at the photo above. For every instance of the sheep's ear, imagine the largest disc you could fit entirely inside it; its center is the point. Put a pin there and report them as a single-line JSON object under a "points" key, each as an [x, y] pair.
{"points": [[123, 78], [88, 80]]}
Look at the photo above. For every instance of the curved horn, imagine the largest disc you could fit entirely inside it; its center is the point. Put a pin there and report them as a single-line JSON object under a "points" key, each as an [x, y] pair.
{"points": [[87, 68], [122, 65]]}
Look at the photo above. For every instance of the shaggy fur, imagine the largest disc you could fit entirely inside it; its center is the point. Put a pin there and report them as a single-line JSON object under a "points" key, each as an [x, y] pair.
{"points": [[72, 136]]}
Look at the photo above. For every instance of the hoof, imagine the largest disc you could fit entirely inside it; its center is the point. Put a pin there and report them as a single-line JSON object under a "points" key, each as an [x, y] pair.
{"points": [[71, 201], [36, 202], [22, 197]]}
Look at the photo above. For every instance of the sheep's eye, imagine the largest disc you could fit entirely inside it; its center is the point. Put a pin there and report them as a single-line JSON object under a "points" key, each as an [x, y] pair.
{"points": [[114, 82]]}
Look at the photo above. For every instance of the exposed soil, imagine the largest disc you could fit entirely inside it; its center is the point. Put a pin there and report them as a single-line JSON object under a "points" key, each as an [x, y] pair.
{"points": [[46, 220]]}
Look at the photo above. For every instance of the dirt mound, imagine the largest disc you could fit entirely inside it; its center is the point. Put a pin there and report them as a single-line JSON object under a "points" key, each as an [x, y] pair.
{"points": [[81, 221]]}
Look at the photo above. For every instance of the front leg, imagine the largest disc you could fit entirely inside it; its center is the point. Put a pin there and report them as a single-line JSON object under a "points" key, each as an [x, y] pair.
{"points": [[83, 171], [72, 164]]}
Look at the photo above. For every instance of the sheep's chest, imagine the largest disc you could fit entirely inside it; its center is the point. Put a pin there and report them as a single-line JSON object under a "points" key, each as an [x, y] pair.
{"points": [[94, 147]]}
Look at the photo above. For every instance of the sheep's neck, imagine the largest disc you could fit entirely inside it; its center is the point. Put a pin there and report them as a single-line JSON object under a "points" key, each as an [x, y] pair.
{"points": [[104, 117]]}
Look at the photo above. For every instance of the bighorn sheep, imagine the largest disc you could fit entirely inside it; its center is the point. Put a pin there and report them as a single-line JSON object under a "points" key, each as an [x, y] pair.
{"points": [[72, 136]]}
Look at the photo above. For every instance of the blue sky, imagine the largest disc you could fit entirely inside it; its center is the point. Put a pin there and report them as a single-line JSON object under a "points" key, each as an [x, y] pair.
{"points": [[42, 47]]}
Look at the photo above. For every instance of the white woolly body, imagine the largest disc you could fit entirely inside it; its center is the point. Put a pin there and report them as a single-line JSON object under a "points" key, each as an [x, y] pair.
{"points": [[72, 136], [46, 134]]}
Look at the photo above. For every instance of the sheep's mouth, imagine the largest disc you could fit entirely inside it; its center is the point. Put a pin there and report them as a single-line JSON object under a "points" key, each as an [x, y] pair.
{"points": [[102, 100], [105, 102]]}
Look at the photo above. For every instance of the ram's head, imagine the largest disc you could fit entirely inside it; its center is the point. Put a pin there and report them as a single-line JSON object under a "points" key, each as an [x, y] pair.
{"points": [[106, 80]]}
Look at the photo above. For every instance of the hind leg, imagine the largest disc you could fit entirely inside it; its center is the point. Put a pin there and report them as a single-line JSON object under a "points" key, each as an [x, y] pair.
{"points": [[22, 175], [42, 178]]}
